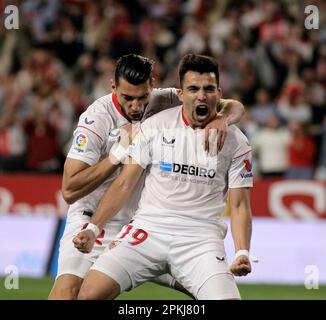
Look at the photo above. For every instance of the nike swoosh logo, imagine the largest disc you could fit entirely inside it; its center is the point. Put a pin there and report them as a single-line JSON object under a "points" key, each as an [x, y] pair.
{"points": [[88, 122], [220, 259]]}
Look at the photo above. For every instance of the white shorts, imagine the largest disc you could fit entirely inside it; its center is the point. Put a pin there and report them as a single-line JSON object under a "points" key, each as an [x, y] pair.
{"points": [[72, 261], [142, 255]]}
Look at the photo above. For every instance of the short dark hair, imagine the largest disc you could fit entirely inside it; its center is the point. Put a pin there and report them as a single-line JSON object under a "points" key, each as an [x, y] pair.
{"points": [[134, 68], [198, 63]]}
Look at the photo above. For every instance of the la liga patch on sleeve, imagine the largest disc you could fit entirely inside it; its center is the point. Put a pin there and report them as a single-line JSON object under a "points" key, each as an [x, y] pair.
{"points": [[80, 143]]}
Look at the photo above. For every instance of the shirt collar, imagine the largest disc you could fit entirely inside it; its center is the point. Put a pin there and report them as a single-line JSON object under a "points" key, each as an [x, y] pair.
{"points": [[183, 117], [117, 105]]}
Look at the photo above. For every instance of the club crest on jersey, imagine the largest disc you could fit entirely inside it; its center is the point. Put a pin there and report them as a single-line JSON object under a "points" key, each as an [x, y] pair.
{"points": [[80, 143], [248, 167]]}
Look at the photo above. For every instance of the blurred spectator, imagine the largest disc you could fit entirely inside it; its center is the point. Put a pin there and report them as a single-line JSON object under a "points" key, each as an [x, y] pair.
{"points": [[96, 23], [12, 142], [39, 16], [263, 108], [6, 56], [123, 35], [42, 140], [78, 101], [157, 39], [222, 29], [60, 114], [105, 69], [270, 145], [69, 45], [301, 153], [65, 52], [248, 85], [83, 72], [173, 18], [194, 38], [315, 95], [292, 106], [248, 125]]}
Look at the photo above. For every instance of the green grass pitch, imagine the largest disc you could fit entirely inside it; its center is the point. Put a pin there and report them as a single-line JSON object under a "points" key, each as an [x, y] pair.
{"points": [[38, 289]]}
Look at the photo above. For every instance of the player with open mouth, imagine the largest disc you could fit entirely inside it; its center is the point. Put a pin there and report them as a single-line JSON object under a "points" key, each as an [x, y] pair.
{"points": [[201, 112], [204, 98]]}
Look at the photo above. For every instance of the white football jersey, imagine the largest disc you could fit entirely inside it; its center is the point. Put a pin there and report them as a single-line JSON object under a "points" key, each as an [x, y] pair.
{"points": [[184, 185], [96, 133]]}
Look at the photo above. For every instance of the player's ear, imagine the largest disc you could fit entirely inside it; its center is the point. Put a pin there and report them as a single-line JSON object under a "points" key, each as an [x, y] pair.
{"points": [[180, 94], [113, 85]]}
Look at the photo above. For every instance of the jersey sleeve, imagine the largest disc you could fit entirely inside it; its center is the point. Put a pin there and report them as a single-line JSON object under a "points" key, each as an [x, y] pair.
{"points": [[88, 139], [162, 99], [140, 148], [240, 173]]}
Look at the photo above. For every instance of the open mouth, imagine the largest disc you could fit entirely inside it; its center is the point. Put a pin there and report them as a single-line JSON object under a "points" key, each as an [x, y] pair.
{"points": [[201, 112]]}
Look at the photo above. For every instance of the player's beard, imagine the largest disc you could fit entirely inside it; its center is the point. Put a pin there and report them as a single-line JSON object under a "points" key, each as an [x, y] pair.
{"points": [[133, 116]]}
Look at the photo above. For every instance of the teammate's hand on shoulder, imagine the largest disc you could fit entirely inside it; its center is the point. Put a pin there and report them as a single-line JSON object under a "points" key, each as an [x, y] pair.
{"points": [[215, 134], [84, 241], [128, 132], [241, 266], [119, 150]]}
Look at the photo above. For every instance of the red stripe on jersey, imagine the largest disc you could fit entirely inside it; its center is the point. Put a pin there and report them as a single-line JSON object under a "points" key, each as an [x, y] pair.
{"points": [[117, 105], [241, 155], [90, 131], [184, 118]]}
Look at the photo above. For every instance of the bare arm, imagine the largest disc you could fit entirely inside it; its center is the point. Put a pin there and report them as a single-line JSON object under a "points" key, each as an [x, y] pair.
{"points": [[112, 201], [240, 217], [232, 110], [117, 194], [241, 228], [229, 112], [80, 179]]}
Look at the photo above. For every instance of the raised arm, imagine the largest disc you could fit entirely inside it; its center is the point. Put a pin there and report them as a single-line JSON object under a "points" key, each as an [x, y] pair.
{"points": [[241, 229], [112, 201], [229, 112]]}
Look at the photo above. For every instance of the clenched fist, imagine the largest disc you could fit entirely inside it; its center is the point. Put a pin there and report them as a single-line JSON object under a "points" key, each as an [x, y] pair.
{"points": [[84, 241], [241, 266]]}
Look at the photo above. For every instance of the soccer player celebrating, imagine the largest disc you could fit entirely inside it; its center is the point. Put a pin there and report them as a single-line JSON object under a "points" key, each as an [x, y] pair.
{"points": [[95, 156], [178, 226]]}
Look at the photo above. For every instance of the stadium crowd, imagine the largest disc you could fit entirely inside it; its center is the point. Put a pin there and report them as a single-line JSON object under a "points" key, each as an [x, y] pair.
{"points": [[62, 57]]}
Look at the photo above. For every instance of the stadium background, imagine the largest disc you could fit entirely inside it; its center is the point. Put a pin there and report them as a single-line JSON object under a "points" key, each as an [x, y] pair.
{"points": [[62, 57]]}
